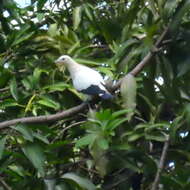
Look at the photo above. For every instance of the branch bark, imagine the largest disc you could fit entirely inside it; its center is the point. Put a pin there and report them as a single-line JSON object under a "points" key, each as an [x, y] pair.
{"points": [[79, 108], [4, 89], [161, 164], [4, 184], [45, 118], [146, 59]]}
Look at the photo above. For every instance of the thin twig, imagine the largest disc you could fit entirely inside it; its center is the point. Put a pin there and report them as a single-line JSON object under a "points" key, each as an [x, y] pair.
{"points": [[87, 169], [161, 164], [145, 60], [4, 184], [4, 89], [79, 108], [72, 125], [66, 128]]}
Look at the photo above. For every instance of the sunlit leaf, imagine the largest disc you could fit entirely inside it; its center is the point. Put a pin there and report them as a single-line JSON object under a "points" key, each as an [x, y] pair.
{"points": [[116, 123], [134, 137], [81, 181], [102, 143], [8, 103], [29, 104], [128, 91], [76, 17], [57, 87], [53, 30], [159, 138], [86, 140], [13, 89], [48, 102], [17, 169]]}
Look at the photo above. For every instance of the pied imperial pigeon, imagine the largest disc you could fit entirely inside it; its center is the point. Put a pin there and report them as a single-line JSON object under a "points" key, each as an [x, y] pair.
{"points": [[85, 79]]}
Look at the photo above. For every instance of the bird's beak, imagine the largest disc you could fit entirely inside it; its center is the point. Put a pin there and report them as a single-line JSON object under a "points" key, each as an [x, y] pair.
{"points": [[60, 65], [57, 62]]}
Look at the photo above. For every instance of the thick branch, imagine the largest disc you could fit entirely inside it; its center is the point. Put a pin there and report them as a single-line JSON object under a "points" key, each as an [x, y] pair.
{"points": [[45, 118], [82, 106], [161, 164]]}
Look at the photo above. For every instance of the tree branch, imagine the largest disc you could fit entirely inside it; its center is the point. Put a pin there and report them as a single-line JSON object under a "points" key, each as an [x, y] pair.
{"points": [[4, 89], [4, 184], [45, 118], [79, 108], [146, 59], [161, 164]]}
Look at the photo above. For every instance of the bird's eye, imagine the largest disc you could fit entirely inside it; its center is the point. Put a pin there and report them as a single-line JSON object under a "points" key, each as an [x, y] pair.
{"points": [[63, 59]]}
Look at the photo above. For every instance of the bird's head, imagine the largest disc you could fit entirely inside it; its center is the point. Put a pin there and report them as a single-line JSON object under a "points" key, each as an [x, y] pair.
{"points": [[63, 60]]}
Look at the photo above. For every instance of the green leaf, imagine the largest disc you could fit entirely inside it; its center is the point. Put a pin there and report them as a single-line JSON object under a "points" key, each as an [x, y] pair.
{"points": [[48, 102], [27, 83], [76, 17], [29, 104], [86, 140], [40, 4], [120, 112], [106, 71], [60, 86], [74, 47], [41, 137], [88, 11], [87, 62], [102, 143], [37, 73], [95, 121], [17, 169], [132, 166], [34, 152], [128, 91], [134, 137], [53, 30], [157, 126], [13, 89], [25, 131], [159, 138], [169, 8], [176, 124], [4, 76], [116, 123], [8, 103], [40, 16], [181, 10], [2, 146], [82, 182], [23, 38]]}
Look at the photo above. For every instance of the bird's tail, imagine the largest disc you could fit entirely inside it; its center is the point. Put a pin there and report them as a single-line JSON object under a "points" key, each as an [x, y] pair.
{"points": [[106, 96]]}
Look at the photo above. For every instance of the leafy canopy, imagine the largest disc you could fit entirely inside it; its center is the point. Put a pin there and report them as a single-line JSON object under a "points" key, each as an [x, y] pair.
{"points": [[117, 144]]}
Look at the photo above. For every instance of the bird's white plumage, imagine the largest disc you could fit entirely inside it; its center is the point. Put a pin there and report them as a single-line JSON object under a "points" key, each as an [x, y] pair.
{"points": [[83, 77]]}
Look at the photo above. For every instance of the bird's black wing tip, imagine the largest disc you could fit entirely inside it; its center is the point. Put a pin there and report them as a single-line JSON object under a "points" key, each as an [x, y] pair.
{"points": [[107, 96]]}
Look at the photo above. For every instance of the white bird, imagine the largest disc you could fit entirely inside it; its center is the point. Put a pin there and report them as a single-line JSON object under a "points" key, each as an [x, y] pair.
{"points": [[85, 79]]}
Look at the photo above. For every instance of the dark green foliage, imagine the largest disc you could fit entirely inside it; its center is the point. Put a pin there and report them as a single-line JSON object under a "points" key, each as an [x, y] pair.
{"points": [[117, 144]]}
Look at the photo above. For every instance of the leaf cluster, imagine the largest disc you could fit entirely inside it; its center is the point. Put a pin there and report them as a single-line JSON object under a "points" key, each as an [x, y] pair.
{"points": [[117, 144]]}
